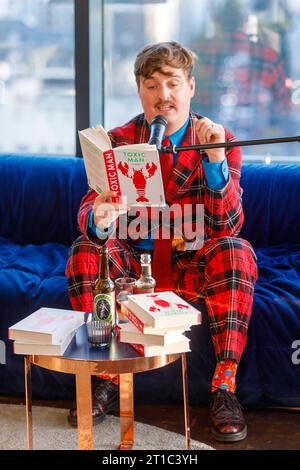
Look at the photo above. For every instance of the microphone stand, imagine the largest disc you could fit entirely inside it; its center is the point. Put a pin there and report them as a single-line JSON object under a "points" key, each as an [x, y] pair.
{"points": [[236, 143]]}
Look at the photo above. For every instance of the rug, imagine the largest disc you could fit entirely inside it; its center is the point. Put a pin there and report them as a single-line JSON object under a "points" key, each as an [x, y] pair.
{"points": [[52, 432]]}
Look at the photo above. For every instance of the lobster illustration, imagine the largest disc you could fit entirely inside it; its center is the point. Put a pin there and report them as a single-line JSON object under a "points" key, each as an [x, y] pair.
{"points": [[139, 178], [160, 304]]}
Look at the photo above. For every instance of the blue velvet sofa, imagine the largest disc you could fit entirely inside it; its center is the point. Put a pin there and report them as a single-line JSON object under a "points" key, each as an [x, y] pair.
{"points": [[39, 200]]}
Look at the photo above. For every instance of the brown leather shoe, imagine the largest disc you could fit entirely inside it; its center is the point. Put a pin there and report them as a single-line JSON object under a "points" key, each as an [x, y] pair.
{"points": [[228, 422], [105, 400]]}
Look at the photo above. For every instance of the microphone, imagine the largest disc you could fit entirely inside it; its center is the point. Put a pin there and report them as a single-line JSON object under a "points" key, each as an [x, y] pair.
{"points": [[157, 130]]}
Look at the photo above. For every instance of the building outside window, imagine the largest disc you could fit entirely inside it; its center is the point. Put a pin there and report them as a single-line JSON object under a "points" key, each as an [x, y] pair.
{"points": [[37, 92], [248, 74]]}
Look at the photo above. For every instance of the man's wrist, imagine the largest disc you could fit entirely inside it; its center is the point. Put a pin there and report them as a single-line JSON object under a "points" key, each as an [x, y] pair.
{"points": [[216, 173], [216, 159], [98, 232]]}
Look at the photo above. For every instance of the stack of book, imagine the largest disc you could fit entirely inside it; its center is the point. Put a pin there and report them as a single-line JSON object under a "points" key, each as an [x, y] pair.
{"points": [[156, 323], [48, 331]]}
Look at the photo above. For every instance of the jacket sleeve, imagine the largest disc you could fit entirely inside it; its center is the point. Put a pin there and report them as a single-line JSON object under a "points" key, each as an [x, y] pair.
{"points": [[86, 205], [223, 211]]}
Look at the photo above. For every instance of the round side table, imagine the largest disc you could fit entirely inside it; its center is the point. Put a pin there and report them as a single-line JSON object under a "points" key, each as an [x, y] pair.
{"points": [[84, 361]]}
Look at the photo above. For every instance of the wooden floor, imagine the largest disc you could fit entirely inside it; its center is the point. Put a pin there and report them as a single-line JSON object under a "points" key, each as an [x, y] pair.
{"points": [[268, 429]]}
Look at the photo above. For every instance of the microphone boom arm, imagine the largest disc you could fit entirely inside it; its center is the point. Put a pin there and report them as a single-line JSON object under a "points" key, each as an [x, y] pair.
{"points": [[236, 143]]}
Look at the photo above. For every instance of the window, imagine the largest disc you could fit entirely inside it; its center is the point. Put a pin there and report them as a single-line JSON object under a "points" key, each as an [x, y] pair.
{"points": [[37, 91], [248, 73]]}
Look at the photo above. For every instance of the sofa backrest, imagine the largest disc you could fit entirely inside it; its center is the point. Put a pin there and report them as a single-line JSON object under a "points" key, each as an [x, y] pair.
{"points": [[40, 197], [271, 202]]}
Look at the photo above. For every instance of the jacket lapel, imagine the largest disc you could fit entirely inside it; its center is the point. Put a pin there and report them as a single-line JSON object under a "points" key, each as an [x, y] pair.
{"points": [[187, 161], [186, 164]]}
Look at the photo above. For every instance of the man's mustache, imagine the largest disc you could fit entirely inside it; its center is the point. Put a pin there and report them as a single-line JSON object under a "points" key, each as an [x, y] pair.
{"points": [[164, 103]]}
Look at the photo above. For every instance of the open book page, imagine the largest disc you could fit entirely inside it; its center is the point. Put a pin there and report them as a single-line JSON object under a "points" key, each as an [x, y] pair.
{"points": [[103, 135], [92, 149]]}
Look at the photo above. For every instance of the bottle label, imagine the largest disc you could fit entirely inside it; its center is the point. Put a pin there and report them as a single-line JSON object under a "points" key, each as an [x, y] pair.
{"points": [[104, 307]]}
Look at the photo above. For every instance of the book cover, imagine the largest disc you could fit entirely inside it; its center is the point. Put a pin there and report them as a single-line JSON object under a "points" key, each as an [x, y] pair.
{"points": [[129, 316], [44, 349], [130, 170], [163, 310], [46, 325], [130, 334], [173, 348]]}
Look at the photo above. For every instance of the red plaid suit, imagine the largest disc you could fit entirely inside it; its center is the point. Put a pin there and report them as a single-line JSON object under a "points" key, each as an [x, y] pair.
{"points": [[223, 271]]}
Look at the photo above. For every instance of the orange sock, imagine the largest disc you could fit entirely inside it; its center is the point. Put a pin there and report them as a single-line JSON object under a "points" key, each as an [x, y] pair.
{"points": [[224, 376]]}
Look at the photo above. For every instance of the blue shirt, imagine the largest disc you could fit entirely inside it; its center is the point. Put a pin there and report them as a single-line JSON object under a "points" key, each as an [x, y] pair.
{"points": [[216, 176]]}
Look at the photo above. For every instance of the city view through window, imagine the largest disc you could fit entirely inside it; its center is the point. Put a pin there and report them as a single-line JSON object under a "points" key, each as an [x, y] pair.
{"points": [[37, 90], [247, 75]]}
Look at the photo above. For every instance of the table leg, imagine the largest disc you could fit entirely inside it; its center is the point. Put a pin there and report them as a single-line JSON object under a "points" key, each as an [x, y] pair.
{"points": [[84, 411], [126, 411], [186, 402], [28, 398]]}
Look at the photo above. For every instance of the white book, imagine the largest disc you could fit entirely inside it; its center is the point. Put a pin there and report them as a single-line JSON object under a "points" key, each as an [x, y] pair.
{"points": [[172, 348], [129, 317], [44, 349], [132, 171], [163, 310], [46, 325], [130, 334]]}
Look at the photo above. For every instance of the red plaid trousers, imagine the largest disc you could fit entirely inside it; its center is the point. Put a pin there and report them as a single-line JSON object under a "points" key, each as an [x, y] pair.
{"points": [[223, 272]]}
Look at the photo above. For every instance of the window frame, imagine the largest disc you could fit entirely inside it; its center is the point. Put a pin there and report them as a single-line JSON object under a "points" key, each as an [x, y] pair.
{"points": [[89, 47]]}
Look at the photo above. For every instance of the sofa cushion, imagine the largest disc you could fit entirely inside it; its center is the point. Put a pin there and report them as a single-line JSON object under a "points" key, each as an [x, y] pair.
{"points": [[266, 374], [267, 368], [40, 197], [30, 277], [33, 276], [271, 204]]}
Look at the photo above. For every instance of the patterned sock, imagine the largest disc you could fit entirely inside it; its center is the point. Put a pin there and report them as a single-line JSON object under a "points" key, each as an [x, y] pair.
{"points": [[224, 376]]}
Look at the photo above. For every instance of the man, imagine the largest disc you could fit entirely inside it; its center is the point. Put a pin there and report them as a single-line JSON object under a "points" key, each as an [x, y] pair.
{"points": [[223, 270]]}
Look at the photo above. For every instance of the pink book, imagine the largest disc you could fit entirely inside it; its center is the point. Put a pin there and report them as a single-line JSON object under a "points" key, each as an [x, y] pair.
{"points": [[46, 326]]}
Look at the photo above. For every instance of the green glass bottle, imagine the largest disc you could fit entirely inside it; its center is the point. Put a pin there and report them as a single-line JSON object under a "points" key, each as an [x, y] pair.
{"points": [[104, 291]]}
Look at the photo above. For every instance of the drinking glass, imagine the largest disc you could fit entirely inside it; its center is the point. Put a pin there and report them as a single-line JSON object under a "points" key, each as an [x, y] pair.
{"points": [[99, 333], [124, 287]]}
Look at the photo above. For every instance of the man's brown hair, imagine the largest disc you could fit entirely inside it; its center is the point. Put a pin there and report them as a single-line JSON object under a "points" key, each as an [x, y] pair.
{"points": [[156, 56]]}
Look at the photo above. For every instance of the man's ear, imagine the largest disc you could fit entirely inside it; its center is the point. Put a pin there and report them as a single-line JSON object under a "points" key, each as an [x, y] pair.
{"points": [[192, 85]]}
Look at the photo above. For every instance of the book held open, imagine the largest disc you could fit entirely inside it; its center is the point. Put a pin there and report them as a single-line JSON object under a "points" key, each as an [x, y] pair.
{"points": [[129, 170]]}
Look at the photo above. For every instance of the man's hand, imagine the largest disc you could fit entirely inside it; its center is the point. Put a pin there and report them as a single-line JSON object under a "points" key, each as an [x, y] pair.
{"points": [[105, 211], [209, 132]]}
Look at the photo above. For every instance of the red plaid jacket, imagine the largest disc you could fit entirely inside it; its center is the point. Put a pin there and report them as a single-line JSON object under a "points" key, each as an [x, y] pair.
{"points": [[223, 213]]}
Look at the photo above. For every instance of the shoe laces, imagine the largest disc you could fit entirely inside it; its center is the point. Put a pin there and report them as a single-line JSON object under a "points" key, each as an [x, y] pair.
{"points": [[224, 402]]}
